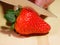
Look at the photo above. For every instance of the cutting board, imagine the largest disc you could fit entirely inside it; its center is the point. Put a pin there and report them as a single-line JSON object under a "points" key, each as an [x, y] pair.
{"points": [[53, 38]]}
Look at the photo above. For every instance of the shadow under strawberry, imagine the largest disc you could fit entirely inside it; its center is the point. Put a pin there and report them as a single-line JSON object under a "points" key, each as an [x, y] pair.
{"points": [[5, 30]]}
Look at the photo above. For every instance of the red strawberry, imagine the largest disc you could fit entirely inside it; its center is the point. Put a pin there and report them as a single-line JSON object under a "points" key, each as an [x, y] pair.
{"points": [[29, 22]]}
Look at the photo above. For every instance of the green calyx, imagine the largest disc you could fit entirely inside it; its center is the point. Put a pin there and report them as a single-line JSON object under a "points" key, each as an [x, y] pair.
{"points": [[11, 16]]}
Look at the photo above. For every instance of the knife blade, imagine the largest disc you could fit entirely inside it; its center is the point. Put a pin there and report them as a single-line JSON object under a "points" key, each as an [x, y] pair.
{"points": [[23, 3]]}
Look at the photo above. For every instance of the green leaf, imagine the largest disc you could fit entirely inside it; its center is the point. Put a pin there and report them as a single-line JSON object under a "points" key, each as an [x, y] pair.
{"points": [[18, 11], [10, 16]]}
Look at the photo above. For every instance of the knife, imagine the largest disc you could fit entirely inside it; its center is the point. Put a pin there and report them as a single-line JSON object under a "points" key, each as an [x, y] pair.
{"points": [[25, 3]]}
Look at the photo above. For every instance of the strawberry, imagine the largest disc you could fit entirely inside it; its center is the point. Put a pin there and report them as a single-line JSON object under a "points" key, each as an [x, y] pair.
{"points": [[29, 22]]}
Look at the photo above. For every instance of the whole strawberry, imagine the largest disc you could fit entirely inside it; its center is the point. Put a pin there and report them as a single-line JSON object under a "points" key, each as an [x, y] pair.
{"points": [[29, 22]]}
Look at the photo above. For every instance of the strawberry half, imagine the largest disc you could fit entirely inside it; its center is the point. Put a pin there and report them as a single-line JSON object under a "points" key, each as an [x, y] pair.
{"points": [[29, 22]]}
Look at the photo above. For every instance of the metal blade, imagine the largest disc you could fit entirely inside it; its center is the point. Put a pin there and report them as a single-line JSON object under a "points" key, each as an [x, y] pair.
{"points": [[25, 3]]}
